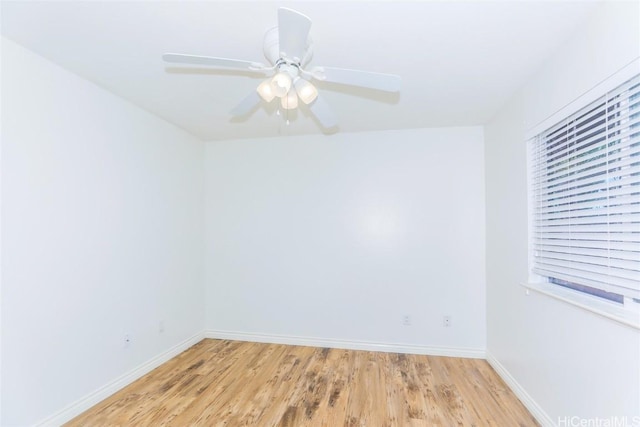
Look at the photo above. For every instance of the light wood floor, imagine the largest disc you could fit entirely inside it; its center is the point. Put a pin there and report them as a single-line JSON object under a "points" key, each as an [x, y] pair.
{"points": [[232, 383]]}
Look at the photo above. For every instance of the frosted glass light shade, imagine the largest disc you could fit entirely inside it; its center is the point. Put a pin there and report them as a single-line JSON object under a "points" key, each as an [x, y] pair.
{"points": [[289, 102], [280, 84], [306, 91], [266, 91]]}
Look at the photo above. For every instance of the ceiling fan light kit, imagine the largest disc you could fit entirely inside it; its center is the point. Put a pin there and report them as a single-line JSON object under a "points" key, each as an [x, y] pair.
{"points": [[306, 91], [290, 101], [281, 83], [266, 91], [288, 48]]}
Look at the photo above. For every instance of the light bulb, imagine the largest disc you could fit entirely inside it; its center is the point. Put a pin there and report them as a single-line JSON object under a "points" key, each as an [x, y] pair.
{"points": [[289, 102], [280, 84], [306, 91], [265, 91]]}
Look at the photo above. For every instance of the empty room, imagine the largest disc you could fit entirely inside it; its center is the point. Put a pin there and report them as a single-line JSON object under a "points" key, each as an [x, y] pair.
{"points": [[318, 213]]}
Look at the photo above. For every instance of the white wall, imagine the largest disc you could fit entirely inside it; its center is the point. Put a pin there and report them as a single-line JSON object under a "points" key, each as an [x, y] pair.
{"points": [[334, 238], [1, 327], [571, 362], [338, 237], [102, 225]]}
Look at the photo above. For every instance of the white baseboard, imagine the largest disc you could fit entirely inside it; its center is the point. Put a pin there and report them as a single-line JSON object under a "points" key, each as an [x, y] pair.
{"points": [[81, 405], [472, 353], [536, 410]]}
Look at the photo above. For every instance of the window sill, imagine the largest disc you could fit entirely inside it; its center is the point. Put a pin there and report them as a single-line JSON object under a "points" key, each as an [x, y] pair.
{"points": [[603, 308]]}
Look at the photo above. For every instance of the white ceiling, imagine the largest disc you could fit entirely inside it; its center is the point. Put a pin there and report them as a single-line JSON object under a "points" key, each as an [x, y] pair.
{"points": [[459, 61]]}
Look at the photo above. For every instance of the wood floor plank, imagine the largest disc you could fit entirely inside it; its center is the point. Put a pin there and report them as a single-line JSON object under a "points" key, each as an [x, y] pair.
{"points": [[292, 369], [232, 383], [335, 407]]}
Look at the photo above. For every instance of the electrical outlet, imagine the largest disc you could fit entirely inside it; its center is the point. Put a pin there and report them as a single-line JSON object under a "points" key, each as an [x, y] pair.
{"points": [[446, 321], [127, 340], [406, 320]]}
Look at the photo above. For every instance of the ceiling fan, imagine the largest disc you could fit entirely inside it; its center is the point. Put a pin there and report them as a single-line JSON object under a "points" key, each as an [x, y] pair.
{"points": [[288, 48]]}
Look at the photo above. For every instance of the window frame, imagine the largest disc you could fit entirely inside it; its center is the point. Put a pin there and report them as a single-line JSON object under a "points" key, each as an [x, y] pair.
{"points": [[627, 312]]}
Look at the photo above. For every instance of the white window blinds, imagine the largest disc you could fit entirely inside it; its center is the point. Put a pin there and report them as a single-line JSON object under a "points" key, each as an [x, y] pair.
{"points": [[585, 178]]}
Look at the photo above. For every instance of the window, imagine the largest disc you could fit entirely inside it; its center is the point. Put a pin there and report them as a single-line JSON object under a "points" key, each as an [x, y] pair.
{"points": [[585, 178]]}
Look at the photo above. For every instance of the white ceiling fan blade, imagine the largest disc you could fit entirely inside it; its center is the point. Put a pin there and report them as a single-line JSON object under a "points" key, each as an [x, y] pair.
{"points": [[379, 81], [323, 113], [211, 61], [293, 31], [246, 105]]}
